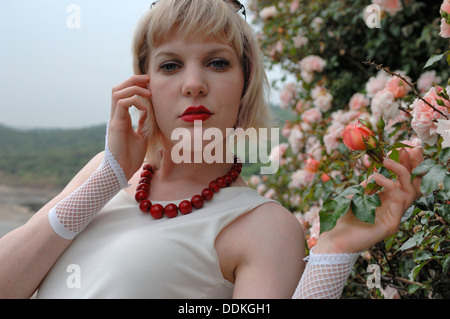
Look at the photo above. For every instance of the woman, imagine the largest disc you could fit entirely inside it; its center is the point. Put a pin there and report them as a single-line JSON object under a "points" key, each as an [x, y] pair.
{"points": [[194, 61]]}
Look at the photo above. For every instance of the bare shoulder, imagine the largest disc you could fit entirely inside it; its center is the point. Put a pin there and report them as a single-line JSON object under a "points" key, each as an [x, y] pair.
{"points": [[272, 227], [275, 220], [266, 250]]}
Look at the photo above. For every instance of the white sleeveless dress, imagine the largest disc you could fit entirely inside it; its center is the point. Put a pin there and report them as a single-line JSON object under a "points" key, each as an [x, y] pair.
{"points": [[124, 253]]}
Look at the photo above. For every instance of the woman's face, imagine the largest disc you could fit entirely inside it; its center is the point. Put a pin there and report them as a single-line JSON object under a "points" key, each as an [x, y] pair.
{"points": [[196, 80]]}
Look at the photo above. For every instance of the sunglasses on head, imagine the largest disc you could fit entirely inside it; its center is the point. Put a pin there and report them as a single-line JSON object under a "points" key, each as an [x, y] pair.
{"points": [[237, 4]]}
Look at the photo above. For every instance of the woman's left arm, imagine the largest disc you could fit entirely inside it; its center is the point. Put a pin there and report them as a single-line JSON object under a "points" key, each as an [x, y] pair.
{"points": [[350, 235], [332, 259]]}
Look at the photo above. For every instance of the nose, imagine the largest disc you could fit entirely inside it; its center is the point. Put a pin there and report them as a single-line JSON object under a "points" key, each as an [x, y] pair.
{"points": [[194, 82]]}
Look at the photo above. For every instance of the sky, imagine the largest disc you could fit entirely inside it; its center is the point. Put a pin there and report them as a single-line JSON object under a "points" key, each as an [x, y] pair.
{"points": [[60, 59]]}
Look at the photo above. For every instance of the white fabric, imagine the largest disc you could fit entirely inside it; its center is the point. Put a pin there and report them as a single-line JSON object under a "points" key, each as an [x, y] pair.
{"points": [[71, 215], [325, 275], [124, 253]]}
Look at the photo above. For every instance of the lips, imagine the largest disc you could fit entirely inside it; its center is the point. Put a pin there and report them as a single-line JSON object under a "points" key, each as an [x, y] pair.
{"points": [[196, 113]]}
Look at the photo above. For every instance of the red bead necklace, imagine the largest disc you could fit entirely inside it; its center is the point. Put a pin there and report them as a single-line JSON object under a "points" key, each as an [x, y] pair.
{"points": [[157, 211]]}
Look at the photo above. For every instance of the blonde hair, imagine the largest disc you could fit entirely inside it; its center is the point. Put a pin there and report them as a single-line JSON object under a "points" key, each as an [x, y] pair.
{"points": [[210, 18]]}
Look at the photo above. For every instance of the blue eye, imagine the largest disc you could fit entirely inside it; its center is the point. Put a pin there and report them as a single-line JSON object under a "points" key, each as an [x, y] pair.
{"points": [[219, 64], [169, 67]]}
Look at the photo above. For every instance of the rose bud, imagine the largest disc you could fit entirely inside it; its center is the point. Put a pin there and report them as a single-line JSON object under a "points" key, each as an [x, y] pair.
{"points": [[358, 137]]}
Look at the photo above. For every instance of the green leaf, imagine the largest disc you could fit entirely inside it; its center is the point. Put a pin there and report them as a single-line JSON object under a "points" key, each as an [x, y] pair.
{"points": [[331, 211], [363, 207], [433, 59], [426, 202], [444, 211], [415, 271], [433, 179], [445, 264], [444, 155], [413, 241], [353, 190], [424, 167]]}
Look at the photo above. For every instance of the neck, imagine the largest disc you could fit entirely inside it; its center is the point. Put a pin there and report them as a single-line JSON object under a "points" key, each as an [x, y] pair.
{"points": [[195, 170]]}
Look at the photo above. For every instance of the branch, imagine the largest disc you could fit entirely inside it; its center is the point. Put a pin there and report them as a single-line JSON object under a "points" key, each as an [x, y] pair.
{"points": [[387, 70]]}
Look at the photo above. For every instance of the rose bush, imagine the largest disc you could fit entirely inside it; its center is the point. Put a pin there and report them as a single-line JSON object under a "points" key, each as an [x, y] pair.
{"points": [[344, 76]]}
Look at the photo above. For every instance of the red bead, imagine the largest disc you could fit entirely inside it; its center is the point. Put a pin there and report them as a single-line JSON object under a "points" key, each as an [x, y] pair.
{"points": [[143, 187], [171, 210], [234, 175], [145, 206], [221, 181], [197, 201], [185, 207], [157, 211], [147, 174], [141, 195], [207, 194], [228, 179], [145, 180], [148, 167], [214, 186], [237, 168]]}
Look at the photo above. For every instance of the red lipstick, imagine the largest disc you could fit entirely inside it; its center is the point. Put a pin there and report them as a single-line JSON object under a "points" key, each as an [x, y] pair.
{"points": [[196, 113]]}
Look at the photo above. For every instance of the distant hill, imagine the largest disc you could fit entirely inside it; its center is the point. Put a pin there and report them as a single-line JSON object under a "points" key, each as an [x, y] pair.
{"points": [[51, 157], [46, 157]]}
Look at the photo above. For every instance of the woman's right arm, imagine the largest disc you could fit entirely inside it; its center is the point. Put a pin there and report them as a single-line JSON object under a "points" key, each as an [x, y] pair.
{"points": [[28, 252]]}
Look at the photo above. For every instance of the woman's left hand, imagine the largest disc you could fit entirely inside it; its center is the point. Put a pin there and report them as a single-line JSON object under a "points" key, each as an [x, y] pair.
{"points": [[352, 235]]}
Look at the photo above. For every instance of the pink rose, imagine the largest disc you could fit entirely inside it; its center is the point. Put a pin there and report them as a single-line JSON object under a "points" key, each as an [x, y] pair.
{"points": [[331, 138], [296, 139], [268, 12], [384, 105], [445, 29], [356, 136], [322, 98], [278, 152], [312, 63], [287, 95], [312, 116], [294, 6], [358, 101], [398, 87], [376, 83], [445, 6], [390, 6], [443, 128], [427, 80], [423, 122], [301, 178]]}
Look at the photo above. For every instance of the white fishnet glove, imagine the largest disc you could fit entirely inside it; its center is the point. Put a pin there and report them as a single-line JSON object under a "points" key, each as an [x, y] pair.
{"points": [[325, 275], [71, 215]]}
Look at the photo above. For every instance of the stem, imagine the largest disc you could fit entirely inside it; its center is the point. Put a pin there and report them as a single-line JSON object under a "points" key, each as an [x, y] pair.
{"points": [[387, 70]]}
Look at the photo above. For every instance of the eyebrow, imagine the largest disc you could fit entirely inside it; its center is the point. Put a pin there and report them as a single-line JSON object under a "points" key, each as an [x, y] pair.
{"points": [[208, 53]]}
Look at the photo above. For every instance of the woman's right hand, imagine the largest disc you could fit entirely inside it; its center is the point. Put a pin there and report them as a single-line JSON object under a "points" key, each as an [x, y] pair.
{"points": [[127, 145]]}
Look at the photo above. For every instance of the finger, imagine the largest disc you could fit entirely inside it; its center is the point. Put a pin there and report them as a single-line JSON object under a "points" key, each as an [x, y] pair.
{"points": [[405, 160], [130, 91], [141, 123], [135, 80], [129, 94], [417, 158], [416, 155], [388, 184], [123, 106], [403, 175]]}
